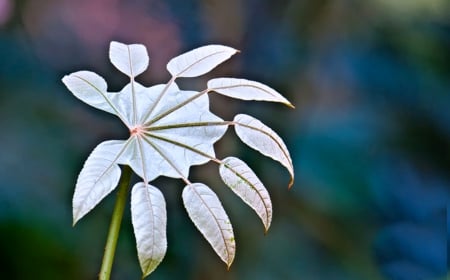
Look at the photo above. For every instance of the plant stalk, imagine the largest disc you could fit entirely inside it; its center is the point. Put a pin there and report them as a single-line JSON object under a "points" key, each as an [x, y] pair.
{"points": [[114, 227]]}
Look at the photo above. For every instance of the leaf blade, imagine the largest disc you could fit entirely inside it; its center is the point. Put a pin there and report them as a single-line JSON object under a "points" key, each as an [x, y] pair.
{"points": [[246, 90], [149, 219], [131, 60], [98, 177], [91, 89], [243, 182], [207, 214], [159, 153], [262, 138], [199, 61]]}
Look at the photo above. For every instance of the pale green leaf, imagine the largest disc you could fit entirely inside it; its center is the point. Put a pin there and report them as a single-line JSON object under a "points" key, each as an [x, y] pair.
{"points": [[199, 61], [246, 90], [206, 212], [149, 218], [263, 139], [99, 176], [243, 181], [131, 60]]}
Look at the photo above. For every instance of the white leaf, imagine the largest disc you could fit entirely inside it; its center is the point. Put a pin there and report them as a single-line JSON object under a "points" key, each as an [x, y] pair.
{"points": [[91, 89], [208, 215], [131, 60], [131, 100], [246, 90], [199, 61], [166, 148], [149, 218], [242, 180], [99, 176], [170, 131], [263, 139]]}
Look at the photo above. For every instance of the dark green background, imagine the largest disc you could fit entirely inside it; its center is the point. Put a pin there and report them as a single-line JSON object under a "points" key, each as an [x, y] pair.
{"points": [[369, 136]]}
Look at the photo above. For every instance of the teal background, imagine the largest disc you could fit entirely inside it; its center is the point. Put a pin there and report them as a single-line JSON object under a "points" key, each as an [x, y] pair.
{"points": [[370, 135]]}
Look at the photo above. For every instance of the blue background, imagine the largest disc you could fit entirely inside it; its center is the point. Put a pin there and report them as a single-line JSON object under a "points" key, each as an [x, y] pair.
{"points": [[370, 135]]}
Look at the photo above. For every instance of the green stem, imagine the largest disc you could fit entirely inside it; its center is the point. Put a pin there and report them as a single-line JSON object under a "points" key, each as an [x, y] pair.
{"points": [[113, 234]]}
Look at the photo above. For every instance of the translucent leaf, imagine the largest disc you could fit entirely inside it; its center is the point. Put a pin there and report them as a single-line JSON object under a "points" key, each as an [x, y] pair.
{"points": [[91, 89], [242, 180], [99, 176], [170, 131], [167, 147], [263, 139], [199, 61], [246, 90], [149, 218], [124, 101], [172, 98], [131, 60], [208, 215]]}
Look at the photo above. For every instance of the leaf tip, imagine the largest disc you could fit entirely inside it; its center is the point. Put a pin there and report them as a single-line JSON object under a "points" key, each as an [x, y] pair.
{"points": [[291, 183], [229, 265], [267, 224], [77, 215], [289, 104], [66, 80], [75, 221], [145, 274]]}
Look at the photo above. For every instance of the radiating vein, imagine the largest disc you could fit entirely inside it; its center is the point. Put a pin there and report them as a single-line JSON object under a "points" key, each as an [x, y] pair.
{"points": [[141, 151], [158, 99], [185, 125], [133, 95], [163, 155], [174, 108], [179, 144]]}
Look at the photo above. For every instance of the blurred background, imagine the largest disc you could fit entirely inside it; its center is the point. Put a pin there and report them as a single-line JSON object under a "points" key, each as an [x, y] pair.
{"points": [[370, 135]]}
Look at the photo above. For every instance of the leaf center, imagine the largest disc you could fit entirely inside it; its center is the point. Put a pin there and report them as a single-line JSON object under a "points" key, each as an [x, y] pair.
{"points": [[137, 130]]}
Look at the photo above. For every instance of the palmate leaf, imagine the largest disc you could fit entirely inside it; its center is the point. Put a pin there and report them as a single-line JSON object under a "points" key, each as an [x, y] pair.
{"points": [[206, 212], [263, 139], [170, 131], [242, 180], [149, 217]]}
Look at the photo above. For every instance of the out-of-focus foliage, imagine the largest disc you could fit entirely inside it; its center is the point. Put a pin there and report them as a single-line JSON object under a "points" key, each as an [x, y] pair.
{"points": [[413, 243], [370, 135]]}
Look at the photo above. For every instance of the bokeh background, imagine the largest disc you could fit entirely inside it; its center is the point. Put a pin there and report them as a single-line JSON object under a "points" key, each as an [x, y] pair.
{"points": [[370, 135]]}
